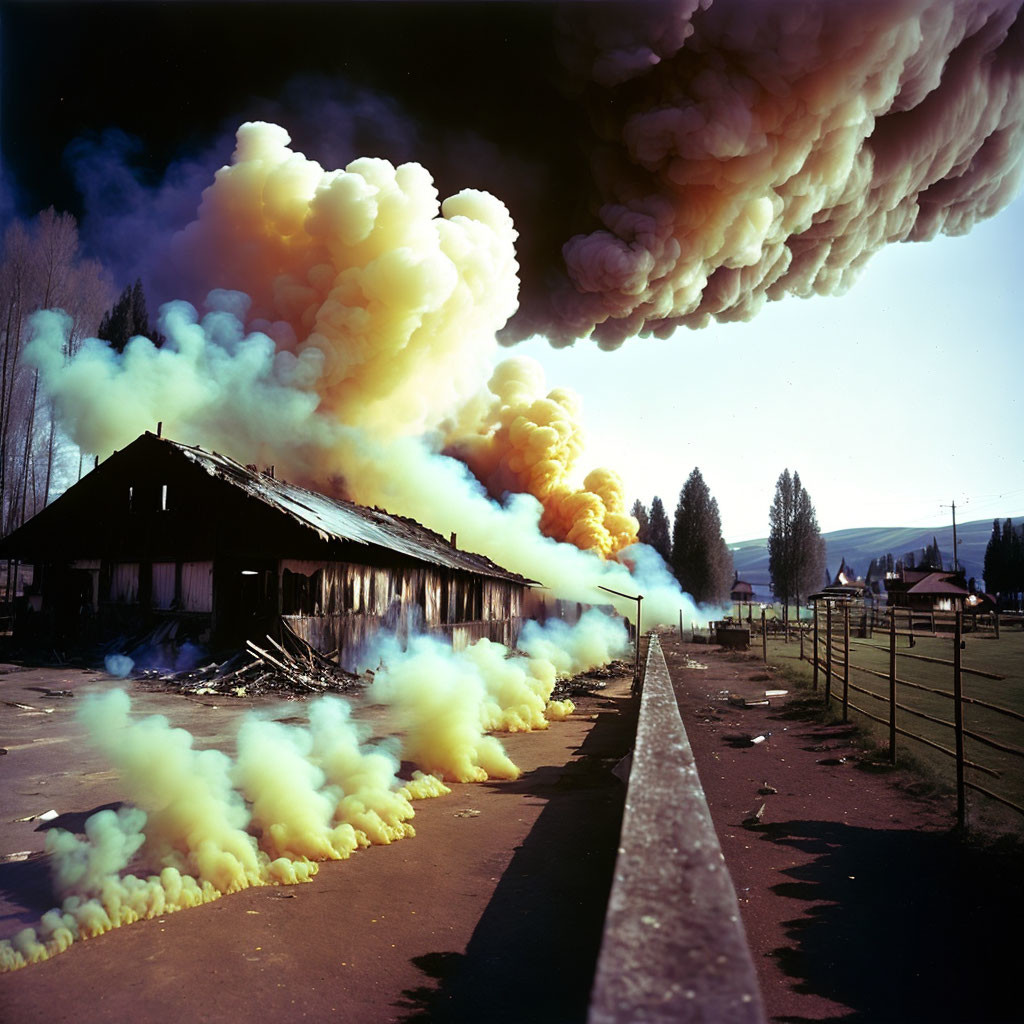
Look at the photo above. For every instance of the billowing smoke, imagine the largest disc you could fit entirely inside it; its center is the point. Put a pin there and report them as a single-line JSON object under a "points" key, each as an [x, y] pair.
{"points": [[358, 349], [747, 151], [203, 824], [525, 441], [447, 701]]}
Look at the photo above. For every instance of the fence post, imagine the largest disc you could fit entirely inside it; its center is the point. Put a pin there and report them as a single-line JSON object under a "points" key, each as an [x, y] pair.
{"points": [[846, 661], [764, 635], [892, 685], [801, 643], [680, 625], [958, 722], [995, 616], [828, 653], [815, 673]]}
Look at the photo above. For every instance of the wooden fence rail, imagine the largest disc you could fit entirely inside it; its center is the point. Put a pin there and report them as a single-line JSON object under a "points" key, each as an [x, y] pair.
{"points": [[833, 634]]}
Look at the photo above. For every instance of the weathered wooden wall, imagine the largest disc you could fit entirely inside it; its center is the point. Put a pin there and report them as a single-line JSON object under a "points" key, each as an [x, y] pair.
{"points": [[343, 607]]}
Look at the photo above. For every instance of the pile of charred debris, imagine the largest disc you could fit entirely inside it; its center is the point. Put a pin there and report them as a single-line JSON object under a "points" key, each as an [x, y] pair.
{"points": [[286, 666], [595, 679]]}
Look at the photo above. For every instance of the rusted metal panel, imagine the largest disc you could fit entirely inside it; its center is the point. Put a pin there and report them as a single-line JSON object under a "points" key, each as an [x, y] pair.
{"points": [[197, 586], [164, 574], [124, 582]]}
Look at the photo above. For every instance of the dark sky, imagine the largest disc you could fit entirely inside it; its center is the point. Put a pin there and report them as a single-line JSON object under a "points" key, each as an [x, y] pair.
{"points": [[469, 89]]}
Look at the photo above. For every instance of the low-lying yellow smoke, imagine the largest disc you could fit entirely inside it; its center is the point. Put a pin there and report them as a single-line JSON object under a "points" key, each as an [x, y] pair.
{"points": [[205, 824], [522, 440]]}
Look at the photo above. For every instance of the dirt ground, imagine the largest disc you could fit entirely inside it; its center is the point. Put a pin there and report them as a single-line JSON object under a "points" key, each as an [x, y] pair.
{"points": [[860, 901], [494, 906]]}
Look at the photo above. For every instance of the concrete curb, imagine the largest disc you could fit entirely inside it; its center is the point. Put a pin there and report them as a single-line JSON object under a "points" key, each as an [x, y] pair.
{"points": [[674, 949]]}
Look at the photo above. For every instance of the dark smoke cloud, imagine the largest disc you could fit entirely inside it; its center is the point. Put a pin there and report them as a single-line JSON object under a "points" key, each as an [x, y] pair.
{"points": [[130, 215], [745, 151], [666, 163]]}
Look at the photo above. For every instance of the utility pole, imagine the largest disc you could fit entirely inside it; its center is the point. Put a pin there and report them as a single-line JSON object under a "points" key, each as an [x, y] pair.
{"points": [[956, 559]]}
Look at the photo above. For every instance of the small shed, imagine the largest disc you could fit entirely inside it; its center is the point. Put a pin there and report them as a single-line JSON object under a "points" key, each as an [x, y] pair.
{"points": [[162, 530], [742, 592]]}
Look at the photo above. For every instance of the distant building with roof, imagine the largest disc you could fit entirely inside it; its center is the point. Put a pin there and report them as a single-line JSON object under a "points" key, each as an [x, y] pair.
{"points": [[742, 592], [926, 590]]}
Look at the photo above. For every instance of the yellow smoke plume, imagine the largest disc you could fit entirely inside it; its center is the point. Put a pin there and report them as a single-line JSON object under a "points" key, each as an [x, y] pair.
{"points": [[325, 373], [207, 825], [525, 441], [385, 299]]}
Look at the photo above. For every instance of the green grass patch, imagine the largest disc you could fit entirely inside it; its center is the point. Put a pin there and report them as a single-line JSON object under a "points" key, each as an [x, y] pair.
{"points": [[1003, 657]]}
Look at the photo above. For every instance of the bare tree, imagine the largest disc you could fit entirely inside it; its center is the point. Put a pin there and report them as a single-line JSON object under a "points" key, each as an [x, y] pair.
{"points": [[40, 268]]}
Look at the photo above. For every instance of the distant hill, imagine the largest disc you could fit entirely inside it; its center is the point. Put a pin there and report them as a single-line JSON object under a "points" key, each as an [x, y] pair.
{"points": [[859, 546]]}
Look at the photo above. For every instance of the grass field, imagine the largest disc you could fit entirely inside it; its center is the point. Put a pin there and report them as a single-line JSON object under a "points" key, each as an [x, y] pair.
{"points": [[1004, 657]]}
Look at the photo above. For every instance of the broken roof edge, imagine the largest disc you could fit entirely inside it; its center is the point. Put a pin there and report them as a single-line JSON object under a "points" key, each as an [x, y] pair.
{"points": [[313, 510]]}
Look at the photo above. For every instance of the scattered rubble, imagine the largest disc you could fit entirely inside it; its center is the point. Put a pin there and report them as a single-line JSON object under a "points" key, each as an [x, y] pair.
{"points": [[594, 679], [292, 666], [755, 819]]}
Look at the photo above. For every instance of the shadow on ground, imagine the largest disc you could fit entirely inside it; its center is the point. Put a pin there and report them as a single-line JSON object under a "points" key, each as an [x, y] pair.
{"points": [[28, 881], [903, 926], [534, 950]]}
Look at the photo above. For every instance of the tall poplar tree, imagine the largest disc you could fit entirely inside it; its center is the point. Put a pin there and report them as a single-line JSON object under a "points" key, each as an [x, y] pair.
{"points": [[701, 562], [660, 531], [796, 549]]}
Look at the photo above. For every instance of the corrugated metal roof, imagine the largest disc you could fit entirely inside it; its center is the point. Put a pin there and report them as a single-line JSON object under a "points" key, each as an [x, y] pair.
{"points": [[337, 519]]}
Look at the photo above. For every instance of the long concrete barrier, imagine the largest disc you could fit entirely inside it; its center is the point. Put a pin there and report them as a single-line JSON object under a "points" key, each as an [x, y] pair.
{"points": [[674, 949]]}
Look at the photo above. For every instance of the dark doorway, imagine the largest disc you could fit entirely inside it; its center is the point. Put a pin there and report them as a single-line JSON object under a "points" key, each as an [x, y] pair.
{"points": [[245, 599]]}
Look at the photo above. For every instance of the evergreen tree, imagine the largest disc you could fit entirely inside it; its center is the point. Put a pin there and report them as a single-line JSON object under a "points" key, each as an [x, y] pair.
{"points": [[128, 319], [932, 558], [796, 549], [639, 512], [993, 560], [701, 561], [660, 535]]}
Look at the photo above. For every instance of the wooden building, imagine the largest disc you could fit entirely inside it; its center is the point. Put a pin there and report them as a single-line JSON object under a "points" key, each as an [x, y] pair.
{"points": [[163, 530], [925, 590], [741, 592]]}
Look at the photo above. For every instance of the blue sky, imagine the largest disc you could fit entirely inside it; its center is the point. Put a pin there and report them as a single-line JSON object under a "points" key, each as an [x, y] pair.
{"points": [[891, 401]]}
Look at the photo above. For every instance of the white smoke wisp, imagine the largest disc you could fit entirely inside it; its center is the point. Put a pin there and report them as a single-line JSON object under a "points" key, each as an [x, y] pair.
{"points": [[595, 640], [206, 825]]}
